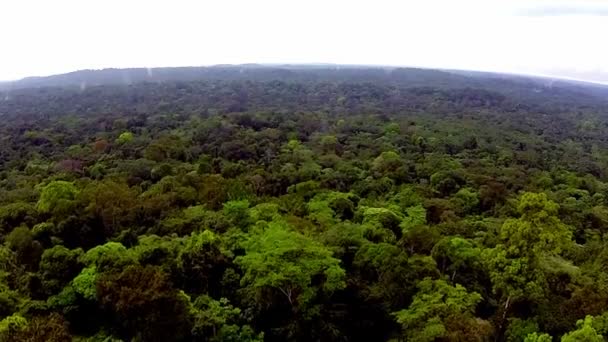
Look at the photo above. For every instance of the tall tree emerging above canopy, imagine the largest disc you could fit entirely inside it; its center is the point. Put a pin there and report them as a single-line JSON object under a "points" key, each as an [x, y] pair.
{"points": [[286, 261], [515, 265], [57, 197], [538, 230]]}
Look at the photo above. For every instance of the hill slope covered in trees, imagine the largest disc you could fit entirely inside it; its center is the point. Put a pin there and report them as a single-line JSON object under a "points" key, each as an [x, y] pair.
{"points": [[303, 204]]}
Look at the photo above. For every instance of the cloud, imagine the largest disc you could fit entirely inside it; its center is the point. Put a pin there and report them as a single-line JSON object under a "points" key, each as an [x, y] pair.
{"points": [[63, 35], [565, 9]]}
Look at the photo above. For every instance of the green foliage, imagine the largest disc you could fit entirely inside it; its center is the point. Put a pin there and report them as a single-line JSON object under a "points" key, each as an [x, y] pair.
{"points": [[84, 283], [156, 250], [389, 164], [113, 202], [437, 309], [538, 230], [414, 216], [144, 303], [108, 256], [536, 337], [58, 265], [305, 205], [237, 212], [286, 261], [194, 218], [9, 301], [124, 137], [51, 328], [467, 200], [11, 326], [202, 262], [515, 263], [216, 320], [27, 250], [212, 314], [456, 254], [57, 197], [407, 197], [13, 214], [330, 207], [235, 333], [388, 273], [584, 332], [520, 329], [265, 212]]}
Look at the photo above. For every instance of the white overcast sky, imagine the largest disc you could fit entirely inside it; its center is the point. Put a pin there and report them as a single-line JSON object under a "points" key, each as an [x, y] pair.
{"points": [[560, 38]]}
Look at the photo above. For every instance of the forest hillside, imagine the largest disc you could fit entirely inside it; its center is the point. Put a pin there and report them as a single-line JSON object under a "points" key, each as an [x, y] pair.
{"points": [[303, 203]]}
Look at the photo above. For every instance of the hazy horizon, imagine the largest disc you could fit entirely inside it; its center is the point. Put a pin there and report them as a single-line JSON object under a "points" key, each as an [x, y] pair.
{"points": [[560, 39], [329, 65]]}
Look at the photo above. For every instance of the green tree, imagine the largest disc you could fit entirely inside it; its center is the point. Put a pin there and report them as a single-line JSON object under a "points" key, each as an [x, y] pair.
{"points": [[58, 266], [388, 273], [84, 283], [537, 337], [51, 328], [442, 311], [327, 208], [467, 200], [415, 216], [124, 138], [113, 202], [26, 248], [265, 212], [202, 263], [217, 320], [280, 259], [455, 254], [328, 143], [387, 164], [519, 329], [111, 255], [15, 214], [584, 332], [144, 303], [11, 327], [238, 212], [538, 230], [515, 265], [57, 198]]}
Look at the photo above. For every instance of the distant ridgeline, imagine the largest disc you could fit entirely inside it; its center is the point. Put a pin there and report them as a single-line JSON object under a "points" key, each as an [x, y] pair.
{"points": [[223, 89]]}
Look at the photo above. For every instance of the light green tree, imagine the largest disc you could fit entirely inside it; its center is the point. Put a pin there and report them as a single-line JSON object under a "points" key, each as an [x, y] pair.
{"points": [[218, 320], [386, 163], [538, 337], [414, 216], [454, 253], [84, 283], [124, 138], [584, 332], [10, 326], [238, 213], [515, 265], [286, 261], [111, 255], [57, 197], [467, 200], [438, 310]]}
